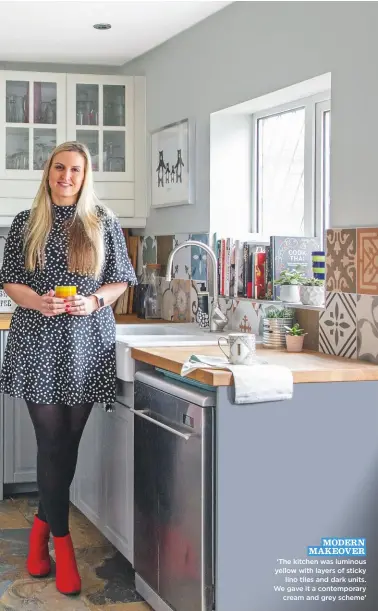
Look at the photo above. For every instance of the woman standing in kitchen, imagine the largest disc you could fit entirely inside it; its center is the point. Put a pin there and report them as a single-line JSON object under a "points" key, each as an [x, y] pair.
{"points": [[60, 354]]}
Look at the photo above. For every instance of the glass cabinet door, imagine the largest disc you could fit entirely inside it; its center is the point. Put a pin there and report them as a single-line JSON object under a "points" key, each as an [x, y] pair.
{"points": [[45, 103], [114, 115], [102, 119], [90, 139], [114, 105], [17, 101], [87, 104], [34, 121]]}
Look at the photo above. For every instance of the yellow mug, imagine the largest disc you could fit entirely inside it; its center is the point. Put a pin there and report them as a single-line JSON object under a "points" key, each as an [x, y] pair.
{"points": [[65, 291]]}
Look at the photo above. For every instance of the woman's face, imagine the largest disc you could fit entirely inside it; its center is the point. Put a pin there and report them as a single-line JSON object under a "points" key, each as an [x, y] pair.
{"points": [[66, 177]]}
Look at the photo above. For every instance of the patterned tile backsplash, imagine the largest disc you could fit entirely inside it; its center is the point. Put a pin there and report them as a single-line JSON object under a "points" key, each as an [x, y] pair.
{"points": [[347, 327], [367, 261], [349, 324], [338, 325], [341, 260], [367, 328], [199, 258], [149, 252], [189, 263]]}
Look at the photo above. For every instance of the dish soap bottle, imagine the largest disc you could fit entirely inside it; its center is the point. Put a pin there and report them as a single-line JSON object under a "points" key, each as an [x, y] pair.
{"points": [[202, 317]]}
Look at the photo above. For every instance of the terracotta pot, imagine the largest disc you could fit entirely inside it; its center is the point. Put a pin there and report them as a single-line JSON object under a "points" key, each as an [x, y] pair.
{"points": [[294, 343]]}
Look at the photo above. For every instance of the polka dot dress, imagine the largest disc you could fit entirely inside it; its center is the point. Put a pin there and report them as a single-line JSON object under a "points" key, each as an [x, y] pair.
{"points": [[65, 358]]}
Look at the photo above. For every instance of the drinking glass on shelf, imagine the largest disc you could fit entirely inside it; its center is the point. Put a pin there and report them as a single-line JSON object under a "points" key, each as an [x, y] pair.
{"points": [[116, 164]]}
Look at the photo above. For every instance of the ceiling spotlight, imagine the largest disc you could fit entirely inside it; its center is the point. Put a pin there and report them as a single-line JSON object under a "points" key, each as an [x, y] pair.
{"points": [[102, 26]]}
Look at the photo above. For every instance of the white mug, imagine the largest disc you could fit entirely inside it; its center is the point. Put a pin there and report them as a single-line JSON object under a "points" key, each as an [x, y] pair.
{"points": [[242, 348]]}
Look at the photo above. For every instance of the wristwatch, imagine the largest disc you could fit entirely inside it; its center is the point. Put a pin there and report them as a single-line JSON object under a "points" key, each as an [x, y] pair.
{"points": [[100, 301]]}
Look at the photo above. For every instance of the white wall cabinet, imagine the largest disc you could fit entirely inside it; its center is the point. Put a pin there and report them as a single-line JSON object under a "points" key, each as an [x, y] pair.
{"points": [[107, 113], [104, 481]]}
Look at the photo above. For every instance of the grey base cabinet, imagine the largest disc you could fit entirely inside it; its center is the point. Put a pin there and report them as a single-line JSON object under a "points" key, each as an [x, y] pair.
{"points": [[87, 487], [20, 447], [103, 485]]}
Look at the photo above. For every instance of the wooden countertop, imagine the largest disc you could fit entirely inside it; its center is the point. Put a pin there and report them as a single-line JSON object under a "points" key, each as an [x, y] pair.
{"points": [[121, 319], [307, 367]]}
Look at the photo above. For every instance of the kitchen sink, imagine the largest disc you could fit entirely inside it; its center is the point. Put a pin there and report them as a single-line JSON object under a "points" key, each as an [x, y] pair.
{"points": [[149, 329], [139, 336], [168, 340], [154, 335]]}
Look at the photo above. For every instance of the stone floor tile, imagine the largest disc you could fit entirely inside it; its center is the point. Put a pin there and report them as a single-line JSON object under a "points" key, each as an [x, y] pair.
{"points": [[107, 577], [11, 517], [84, 533]]}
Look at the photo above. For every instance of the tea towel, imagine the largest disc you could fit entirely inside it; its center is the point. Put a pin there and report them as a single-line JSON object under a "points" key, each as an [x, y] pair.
{"points": [[258, 383]]}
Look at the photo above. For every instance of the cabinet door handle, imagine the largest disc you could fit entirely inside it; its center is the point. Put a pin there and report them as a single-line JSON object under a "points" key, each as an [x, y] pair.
{"points": [[141, 414]]}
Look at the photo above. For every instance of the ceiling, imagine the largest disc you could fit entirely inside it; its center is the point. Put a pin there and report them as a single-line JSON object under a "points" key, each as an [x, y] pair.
{"points": [[60, 31]]}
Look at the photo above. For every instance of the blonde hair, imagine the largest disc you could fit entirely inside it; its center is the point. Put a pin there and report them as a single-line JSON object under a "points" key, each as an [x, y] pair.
{"points": [[85, 244]]}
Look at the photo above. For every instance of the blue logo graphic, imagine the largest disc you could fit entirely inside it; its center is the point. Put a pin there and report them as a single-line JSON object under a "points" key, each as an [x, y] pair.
{"points": [[338, 547]]}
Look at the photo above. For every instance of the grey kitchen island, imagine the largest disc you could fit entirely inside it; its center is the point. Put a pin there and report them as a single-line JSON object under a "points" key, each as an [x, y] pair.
{"points": [[286, 475]]}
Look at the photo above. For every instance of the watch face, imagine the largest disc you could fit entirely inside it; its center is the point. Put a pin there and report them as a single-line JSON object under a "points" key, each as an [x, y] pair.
{"points": [[101, 302]]}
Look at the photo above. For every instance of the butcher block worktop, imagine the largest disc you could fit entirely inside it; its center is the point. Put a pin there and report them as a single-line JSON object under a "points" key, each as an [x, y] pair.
{"points": [[306, 366], [121, 319]]}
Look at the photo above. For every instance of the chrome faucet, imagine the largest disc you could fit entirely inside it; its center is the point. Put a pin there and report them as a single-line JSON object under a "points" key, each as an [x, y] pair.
{"points": [[218, 320]]}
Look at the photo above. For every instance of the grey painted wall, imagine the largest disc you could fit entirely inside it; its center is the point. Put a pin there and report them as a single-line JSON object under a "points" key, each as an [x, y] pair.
{"points": [[253, 48]]}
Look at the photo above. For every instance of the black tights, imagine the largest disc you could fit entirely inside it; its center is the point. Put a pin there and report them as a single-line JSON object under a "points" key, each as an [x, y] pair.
{"points": [[58, 429]]}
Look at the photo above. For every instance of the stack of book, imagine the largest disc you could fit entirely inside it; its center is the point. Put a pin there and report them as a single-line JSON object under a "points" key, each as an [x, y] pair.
{"points": [[250, 269]]}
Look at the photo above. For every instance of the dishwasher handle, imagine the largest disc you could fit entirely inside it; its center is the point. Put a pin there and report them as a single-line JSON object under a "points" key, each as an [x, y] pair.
{"points": [[141, 414]]}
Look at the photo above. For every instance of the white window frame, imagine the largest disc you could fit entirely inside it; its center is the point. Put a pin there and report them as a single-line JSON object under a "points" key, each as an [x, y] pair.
{"points": [[320, 196], [314, 106]]}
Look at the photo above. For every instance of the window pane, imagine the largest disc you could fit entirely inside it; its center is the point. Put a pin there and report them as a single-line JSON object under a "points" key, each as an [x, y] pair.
{"points": [[280, 180], [326, 165]]}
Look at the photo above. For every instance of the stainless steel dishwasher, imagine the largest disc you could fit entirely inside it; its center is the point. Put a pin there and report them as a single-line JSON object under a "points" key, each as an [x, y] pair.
{"points": [[173, 493]]}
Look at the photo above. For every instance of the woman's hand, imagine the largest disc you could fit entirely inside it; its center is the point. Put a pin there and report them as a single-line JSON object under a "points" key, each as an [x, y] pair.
{"points": [[50, 305], [80, 305]]}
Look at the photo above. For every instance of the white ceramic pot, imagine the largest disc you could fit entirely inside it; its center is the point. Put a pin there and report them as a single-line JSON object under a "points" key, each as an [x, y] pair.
{"points": [[294, 343], [312, 295], [289, 293]]}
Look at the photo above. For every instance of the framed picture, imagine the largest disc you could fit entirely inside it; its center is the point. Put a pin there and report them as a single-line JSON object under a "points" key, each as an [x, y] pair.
{"points": [[172, 165]]}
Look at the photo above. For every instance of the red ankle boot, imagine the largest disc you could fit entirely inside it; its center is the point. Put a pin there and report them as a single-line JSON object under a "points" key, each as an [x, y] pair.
{"points": [[67, 576], [38, 562]]}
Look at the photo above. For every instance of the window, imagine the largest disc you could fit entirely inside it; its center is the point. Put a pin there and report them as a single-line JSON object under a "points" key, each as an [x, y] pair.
{"points": [[291, 176]]}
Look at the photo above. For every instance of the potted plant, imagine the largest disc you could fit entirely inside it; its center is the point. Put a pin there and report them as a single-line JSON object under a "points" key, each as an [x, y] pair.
{"points": [[274, 325], [294, 338], [290, 281], [312, 292]]}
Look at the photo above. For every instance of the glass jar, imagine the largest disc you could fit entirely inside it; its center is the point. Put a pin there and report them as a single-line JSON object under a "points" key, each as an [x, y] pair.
{"points": [[140, 293], [152, 300]]}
